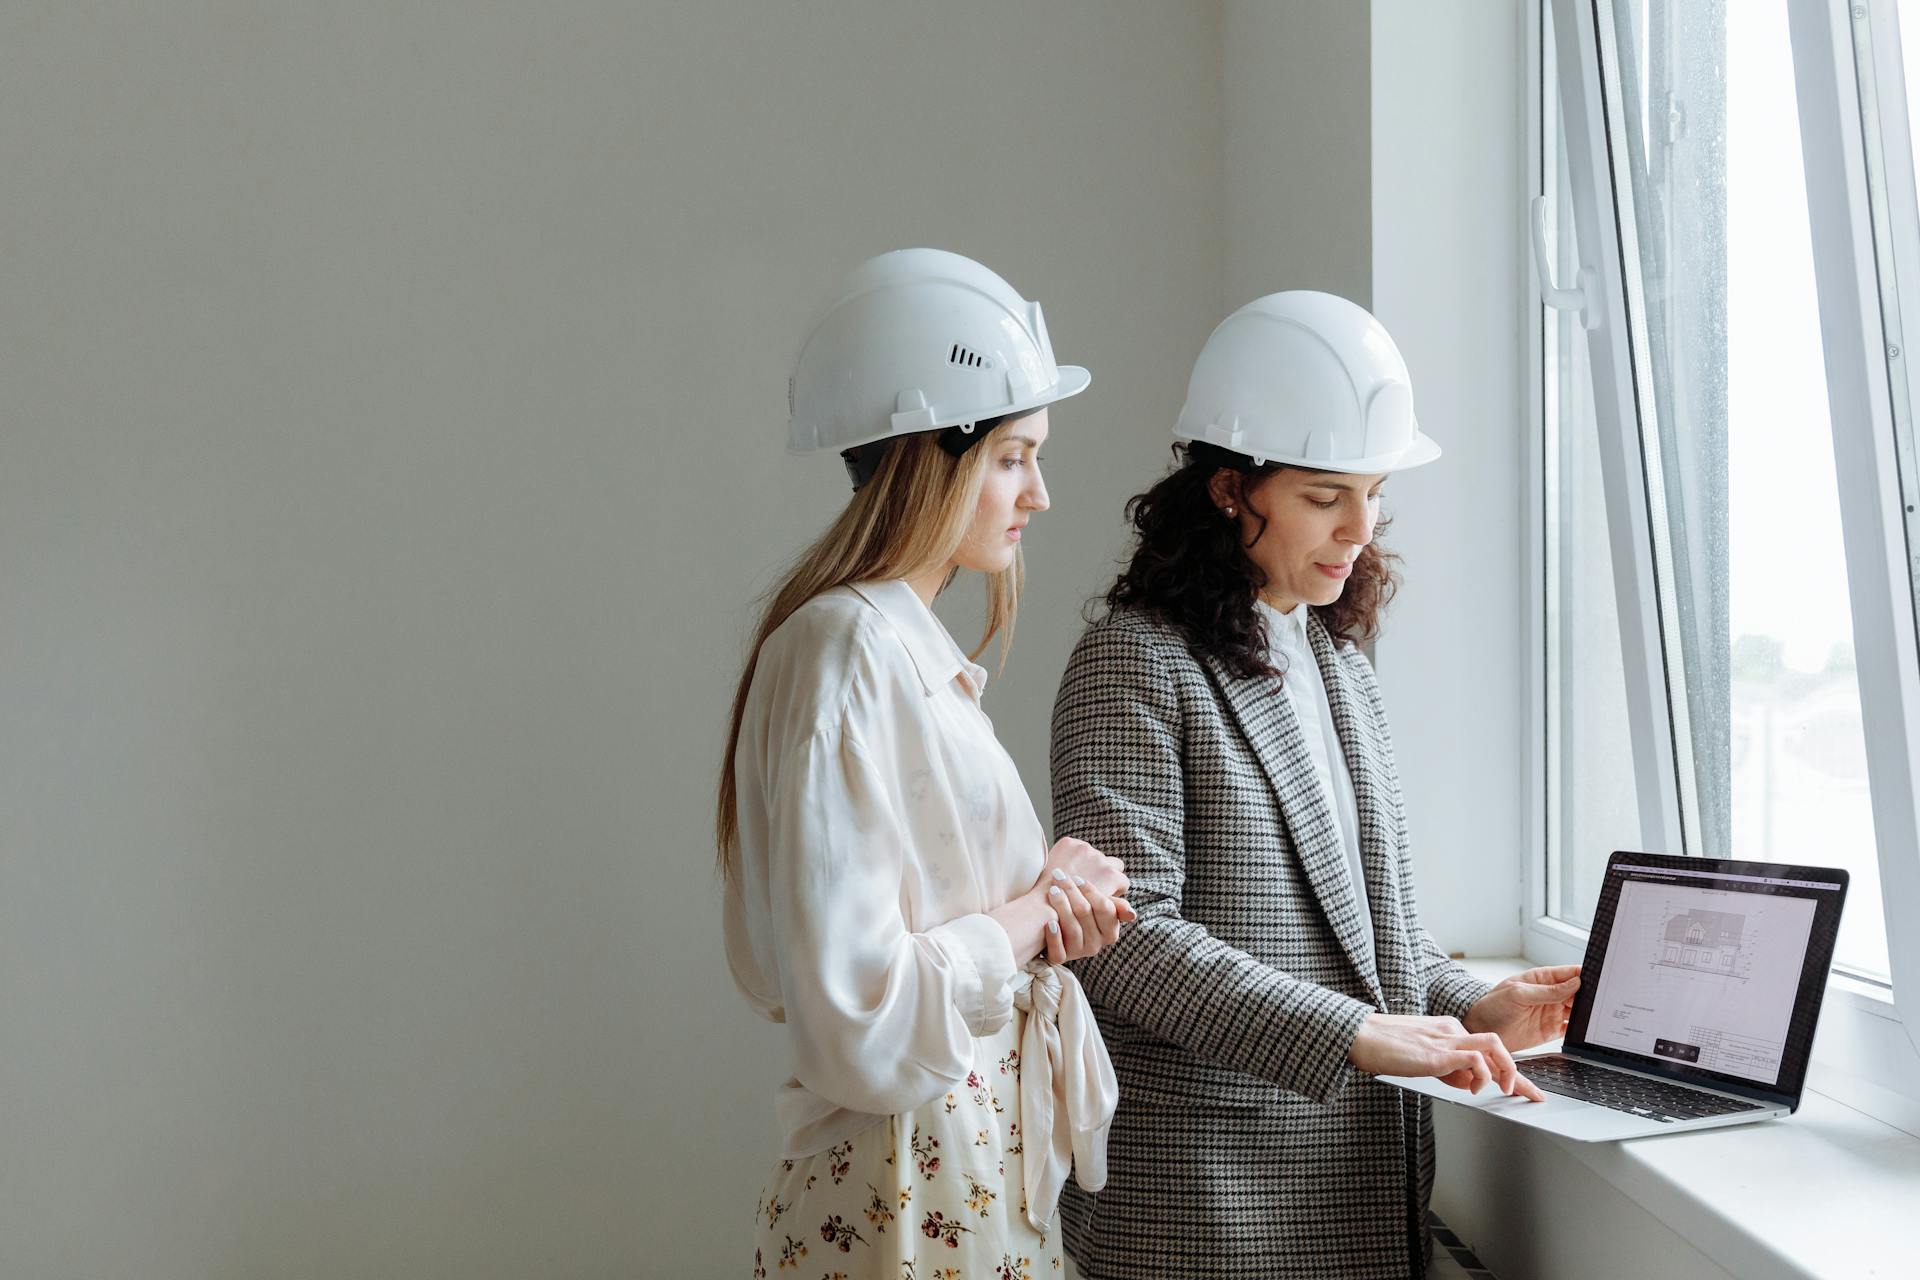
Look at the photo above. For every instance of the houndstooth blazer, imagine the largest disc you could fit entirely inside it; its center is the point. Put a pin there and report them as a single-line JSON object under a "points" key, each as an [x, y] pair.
{"points": [[1245, 1143]]}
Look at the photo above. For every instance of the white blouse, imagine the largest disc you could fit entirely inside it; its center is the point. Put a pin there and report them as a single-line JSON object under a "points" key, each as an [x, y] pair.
{"points": [[1289, 649], [880, 819]]}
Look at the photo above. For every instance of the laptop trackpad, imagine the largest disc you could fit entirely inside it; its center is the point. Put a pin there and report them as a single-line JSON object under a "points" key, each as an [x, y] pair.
{"points": [[1568, 1117]]}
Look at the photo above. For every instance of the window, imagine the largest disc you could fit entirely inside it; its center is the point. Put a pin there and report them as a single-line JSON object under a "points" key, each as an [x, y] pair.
{"points": [[1752, 580], [1728, 478]]}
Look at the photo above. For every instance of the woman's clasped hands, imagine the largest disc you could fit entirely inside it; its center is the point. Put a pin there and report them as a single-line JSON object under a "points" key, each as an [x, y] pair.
{"points": [[1086, 891]]}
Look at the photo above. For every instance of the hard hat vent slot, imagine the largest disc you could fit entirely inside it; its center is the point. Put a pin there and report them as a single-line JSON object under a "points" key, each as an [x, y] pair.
{"points": [[970, 359]]}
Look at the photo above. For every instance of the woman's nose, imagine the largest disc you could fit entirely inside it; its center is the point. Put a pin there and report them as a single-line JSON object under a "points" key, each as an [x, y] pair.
{"points": [[1358, 529], [1034, 498]]}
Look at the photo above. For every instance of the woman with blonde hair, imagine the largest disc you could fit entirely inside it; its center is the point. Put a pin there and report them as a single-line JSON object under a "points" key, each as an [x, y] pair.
{"points": [[890, 895]]}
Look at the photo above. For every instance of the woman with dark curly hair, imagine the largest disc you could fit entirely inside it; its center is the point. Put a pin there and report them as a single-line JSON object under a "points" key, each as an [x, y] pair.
{"points": [[1220, 730]]}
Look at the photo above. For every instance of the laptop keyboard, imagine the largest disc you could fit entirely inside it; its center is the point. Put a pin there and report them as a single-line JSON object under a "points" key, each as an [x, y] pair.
{"points": [[1620, 1091]]}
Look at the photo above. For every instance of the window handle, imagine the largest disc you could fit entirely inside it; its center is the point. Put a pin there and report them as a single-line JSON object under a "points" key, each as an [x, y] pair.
{"points": [[1580, 297]]}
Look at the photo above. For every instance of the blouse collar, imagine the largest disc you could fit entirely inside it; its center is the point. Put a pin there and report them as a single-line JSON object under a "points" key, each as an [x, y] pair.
{"points": [[936, 658], [1286, 629]]}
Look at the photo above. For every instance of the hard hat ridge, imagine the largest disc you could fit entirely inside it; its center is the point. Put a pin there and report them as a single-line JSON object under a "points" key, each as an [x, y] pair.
{"points": [[921, 340], [1305, 379]]}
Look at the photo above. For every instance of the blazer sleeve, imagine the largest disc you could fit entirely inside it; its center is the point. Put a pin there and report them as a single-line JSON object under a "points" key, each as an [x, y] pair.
{"points": [[1118, 785], [1451, 990]]}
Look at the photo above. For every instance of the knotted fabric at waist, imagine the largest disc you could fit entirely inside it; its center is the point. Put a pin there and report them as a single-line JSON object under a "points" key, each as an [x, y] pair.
{"points": [[1067, 1088]]}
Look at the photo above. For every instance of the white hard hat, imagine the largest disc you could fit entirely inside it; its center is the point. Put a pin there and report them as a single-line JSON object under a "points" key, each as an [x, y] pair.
{"points": [[917, 340], [1306, 379]]}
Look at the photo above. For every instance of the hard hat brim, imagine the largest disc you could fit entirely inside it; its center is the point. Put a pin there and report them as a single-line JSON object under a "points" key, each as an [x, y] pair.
{"points": [[1422, 451], [1073, 380]]}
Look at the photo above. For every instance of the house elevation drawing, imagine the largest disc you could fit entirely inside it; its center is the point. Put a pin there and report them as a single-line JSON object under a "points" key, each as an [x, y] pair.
{"points": [[1704, 941]]}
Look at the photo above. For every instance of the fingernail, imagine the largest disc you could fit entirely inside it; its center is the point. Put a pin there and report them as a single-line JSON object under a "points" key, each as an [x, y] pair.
{"points": [[1056, 892], [1058, 874], [1079, 879], [1053, 926]]}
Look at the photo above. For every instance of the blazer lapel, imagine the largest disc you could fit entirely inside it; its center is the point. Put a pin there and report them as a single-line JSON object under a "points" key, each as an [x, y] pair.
{"points": [[1266, 718], [1373, 791]]}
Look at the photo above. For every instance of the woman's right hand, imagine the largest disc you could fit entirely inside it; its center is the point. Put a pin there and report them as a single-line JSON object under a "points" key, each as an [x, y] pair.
{"points": [[1391, 1044], [1077, 858], [1084, 919]]}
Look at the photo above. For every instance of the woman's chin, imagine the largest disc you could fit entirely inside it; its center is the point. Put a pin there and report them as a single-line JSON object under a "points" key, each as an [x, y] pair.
{"points": [[987, 562], [1329, 593]]}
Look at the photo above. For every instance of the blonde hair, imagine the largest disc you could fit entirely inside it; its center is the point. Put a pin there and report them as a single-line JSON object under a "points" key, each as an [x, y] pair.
{"points": [[910, 516]]}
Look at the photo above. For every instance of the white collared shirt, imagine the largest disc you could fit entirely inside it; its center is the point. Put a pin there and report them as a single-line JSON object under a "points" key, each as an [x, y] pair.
{"points": [[1290, 651], [880, 818]]}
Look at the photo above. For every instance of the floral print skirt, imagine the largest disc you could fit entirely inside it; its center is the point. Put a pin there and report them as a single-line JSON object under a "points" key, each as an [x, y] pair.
{"points": [[936, 1193]]}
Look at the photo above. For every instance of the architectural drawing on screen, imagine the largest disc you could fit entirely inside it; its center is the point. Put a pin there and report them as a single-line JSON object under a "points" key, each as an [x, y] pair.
{"points": [[1705, 941]]}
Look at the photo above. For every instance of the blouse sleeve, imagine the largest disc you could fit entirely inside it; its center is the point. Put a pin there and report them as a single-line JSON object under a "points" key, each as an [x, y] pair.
{"points": [[881, 1019]]}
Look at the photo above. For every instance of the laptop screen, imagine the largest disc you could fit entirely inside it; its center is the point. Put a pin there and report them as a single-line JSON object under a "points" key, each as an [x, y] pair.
{"points": [[1709, 970]]}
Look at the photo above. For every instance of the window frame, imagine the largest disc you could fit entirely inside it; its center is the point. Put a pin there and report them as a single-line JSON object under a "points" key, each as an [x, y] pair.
{"points": [[1630, 478], [1545, 938], [1859, 356]]}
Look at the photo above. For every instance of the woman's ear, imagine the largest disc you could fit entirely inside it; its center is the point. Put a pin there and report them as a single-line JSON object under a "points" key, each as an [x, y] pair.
{"points": [[1224, 487]]}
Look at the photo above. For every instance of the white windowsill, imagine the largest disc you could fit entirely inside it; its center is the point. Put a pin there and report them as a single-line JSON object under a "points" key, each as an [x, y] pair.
{"points": [[1862, 995], [1827, 1192]]}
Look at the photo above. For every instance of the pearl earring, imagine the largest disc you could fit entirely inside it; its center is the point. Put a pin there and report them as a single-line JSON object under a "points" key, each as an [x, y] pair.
{"points": [[1229, 513]]}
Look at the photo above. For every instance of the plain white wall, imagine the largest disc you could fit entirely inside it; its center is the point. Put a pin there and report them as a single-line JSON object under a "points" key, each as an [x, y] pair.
{"points": [[1375, 151], [393, 449], [393, 446], [1451, 284], [1298, 154]]}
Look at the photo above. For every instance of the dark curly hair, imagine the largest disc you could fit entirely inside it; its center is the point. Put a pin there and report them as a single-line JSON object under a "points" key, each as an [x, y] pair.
{"points": [[1189, 567]]}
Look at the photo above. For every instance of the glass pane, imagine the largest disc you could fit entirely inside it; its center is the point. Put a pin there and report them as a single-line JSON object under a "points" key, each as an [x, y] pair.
{"points": [[1711, 163], [1592, 802]]}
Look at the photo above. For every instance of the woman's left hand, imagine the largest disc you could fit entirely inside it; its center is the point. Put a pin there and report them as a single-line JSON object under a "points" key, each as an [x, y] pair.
{"points": [[1529, 1008]]}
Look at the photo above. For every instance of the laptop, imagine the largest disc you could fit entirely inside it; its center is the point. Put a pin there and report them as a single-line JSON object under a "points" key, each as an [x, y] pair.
{"points": [[1699, 996]]}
